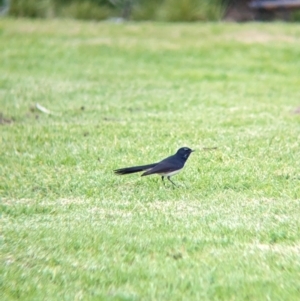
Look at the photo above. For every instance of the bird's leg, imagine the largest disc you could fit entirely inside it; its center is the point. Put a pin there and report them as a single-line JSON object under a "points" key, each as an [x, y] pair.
{"points": [[162, 178], [171, 181]]}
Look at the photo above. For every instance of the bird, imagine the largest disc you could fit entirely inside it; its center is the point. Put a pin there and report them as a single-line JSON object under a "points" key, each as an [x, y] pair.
{"points": [[168, 167]]}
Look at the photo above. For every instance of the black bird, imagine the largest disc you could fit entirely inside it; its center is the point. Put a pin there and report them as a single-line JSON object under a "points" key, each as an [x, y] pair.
{"points": [[166, 168]]}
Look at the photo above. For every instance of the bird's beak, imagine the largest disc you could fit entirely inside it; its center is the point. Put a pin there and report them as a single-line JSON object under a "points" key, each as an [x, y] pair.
{"points": [[193, 150]]}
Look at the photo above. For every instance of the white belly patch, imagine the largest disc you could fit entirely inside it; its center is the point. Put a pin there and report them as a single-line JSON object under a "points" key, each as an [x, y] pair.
{"points": [[169, 174]]}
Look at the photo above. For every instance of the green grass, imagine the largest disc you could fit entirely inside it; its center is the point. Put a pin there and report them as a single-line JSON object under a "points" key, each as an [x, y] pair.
{"points": [[132, 94]]}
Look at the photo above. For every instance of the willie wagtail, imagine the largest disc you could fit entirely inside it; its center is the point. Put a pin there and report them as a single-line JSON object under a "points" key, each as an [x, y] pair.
{"points": [[166, 168]]}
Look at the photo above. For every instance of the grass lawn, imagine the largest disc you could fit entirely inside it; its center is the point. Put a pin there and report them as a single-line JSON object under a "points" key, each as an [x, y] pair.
{"points": [[129, 94]]}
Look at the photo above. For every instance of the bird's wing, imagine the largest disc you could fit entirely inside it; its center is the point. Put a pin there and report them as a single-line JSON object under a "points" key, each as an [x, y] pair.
{"points": [[164, 166]]}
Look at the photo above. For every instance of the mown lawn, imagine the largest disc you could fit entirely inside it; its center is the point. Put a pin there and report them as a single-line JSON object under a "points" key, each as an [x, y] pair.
{"points": [[129, 94]]}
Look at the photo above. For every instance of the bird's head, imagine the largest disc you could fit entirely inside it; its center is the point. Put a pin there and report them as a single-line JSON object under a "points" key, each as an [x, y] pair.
{"points": [[184, 152]]}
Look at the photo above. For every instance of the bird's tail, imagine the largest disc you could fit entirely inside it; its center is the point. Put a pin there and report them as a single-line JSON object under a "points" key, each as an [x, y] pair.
{"points": [[133, 169]]}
